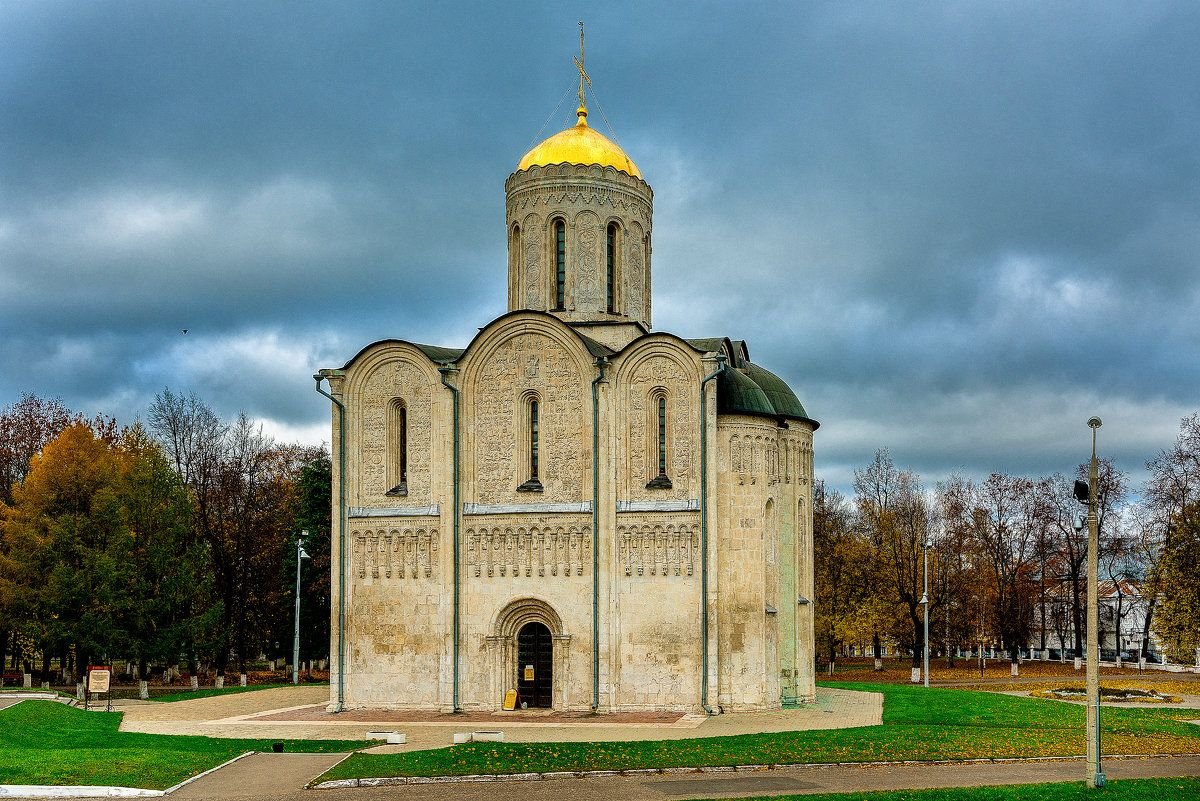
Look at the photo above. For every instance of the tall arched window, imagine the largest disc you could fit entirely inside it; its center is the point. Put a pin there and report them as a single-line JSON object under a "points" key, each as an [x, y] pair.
{"points": [[533, 457], [397, 448], [610, 255], [560, 264], [514, 265], [660, 481]]}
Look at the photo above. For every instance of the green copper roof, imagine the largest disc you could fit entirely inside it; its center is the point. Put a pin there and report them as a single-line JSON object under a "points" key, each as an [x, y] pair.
{"points": [[738, 394], [707, 344], [756, 391], [438, 354], [780, 395]]}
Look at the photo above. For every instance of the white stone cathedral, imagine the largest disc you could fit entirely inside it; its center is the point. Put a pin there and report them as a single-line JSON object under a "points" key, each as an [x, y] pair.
{"points": [[574, 507]]}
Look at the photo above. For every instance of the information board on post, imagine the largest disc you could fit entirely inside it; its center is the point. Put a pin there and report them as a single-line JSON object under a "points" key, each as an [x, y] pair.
{"points": [[99, 679]]}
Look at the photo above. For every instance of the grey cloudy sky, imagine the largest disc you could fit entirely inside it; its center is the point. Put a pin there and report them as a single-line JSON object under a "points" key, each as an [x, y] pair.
{"points": [[957, 229]]}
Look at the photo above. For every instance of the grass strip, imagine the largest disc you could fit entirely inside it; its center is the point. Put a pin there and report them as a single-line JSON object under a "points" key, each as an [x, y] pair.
{"points": [[208, 692], [44, 742], [918, 724], [1182, 789]]}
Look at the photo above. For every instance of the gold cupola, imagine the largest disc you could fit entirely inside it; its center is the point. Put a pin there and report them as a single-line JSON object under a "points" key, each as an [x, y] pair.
{"points": [[579, 144], [579, 218]]}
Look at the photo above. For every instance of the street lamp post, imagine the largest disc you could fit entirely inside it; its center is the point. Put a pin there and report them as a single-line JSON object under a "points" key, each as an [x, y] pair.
{"points": [[1088, 494], [925, 603], [301, 555]]}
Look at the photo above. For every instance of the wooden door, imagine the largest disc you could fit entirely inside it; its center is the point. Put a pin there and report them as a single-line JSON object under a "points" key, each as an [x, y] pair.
{"points": [[535, 665]]}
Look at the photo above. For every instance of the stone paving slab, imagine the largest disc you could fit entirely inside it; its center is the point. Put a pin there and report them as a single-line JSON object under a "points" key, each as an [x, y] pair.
{"points": [[242, 715]]}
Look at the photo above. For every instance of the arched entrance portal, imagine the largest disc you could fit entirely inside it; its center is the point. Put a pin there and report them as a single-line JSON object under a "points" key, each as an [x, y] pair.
{"points": [[529, 632], [535, 666]]}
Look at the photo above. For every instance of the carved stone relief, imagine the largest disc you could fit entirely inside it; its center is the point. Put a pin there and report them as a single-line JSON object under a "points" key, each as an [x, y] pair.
{"points": [[658, 373], [398, 378], [540, 551], [408, 553], [533, 263], [658, 550], [587, 277], [635, 279], [526, 363]]}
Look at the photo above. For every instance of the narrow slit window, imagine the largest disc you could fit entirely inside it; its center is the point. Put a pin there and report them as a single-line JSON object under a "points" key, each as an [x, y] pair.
{"points": [[611, 259], [403, 445], [533, 483], [662, 435], [560, 265], [399, 449], [533, 439], [660, 481]]}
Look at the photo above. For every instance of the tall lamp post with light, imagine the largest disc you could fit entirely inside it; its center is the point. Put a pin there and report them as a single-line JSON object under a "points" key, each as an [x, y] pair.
{"points": [[1087, 493], [925, 602], [301, 555]]}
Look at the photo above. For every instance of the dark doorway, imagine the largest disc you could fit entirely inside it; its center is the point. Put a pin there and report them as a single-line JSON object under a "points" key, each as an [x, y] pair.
{"points": [[535, 660]]}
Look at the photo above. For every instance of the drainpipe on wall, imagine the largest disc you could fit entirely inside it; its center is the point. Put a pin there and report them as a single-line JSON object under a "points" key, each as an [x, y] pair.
{"points": [[341, 648], [601, 363], [704, 534], [445, 372]]}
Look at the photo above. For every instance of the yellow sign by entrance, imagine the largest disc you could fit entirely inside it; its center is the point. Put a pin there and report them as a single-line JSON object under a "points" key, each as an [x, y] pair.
{"points": [[529, 673], [510, 701]]}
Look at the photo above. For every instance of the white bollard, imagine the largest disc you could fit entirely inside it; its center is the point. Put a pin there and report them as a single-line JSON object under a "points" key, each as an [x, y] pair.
{"points": [[195, 683], [1078, 663], [242, 679], [144, 690], [916, 675], [28, 677], [879, 664], [1016, 669], [219, 682], [79, 690]]}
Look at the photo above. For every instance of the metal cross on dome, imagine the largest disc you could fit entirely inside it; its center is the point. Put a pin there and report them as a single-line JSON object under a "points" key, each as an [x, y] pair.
{"points": [[583, 76]]}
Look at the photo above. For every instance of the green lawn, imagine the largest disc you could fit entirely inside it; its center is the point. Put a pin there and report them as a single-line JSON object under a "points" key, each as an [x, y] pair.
{"points": [[45, 742], [1187, 789], [918, 724], [188, 695]]}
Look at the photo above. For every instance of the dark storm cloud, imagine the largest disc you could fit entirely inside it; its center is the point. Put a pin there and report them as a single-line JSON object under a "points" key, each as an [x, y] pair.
{"points": [[958, 230]]}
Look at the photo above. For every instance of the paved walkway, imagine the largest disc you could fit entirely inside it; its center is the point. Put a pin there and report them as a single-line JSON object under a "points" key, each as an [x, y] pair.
{"points": [[297, 712], [280, 777], [260, 776]]}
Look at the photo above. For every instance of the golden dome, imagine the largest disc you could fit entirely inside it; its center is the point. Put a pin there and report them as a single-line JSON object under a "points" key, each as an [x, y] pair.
{"points": [[580, 144]]}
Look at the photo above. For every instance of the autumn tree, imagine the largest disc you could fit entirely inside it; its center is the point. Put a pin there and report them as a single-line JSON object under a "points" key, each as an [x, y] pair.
{"points": [[899, 520], [957, 580], [25, 428], [92, 560], [314, 514], [1172, 498], [166, 569], [842, 563], [1004, 514], [245, 499]]}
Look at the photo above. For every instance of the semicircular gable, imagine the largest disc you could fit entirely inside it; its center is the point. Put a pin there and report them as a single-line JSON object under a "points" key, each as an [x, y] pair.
{"points": [[382, 354], [385, 379], [522, 358], [500, 331], [661, 345]]}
